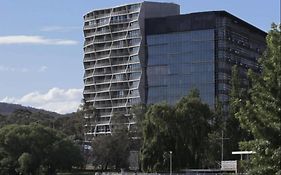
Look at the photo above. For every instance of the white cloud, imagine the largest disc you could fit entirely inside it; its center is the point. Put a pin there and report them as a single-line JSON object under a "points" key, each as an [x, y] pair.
{"points": [[60, 28], [13, 69], [56, 99], [43, 69], [4, 68], [27, 39]]}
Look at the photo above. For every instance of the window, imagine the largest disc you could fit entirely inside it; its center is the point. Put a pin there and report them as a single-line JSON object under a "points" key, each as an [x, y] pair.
{"points": [[178, 62]]}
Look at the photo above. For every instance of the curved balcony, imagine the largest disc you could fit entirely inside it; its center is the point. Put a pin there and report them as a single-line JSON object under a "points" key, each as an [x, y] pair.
{"points": [[86, 43], [88, 91], [88, 75], [103, 105], [119, 63], [134, 27], [102, 65], [134, 9], [123, 87], [118, 29], [87, 66], [88, 50], [105, 114], [88, 27], [102, 48], [99, 16], [94, 17], [102, 98], [121, 37], [121, 12], [102, 56], [89, 83], [88, 59], [104, 81], [108, 106], [89, 34], [102, 89], [102, 71], [102, 32], [119, 21], [102, 40], [99, 123], [114, 105]]}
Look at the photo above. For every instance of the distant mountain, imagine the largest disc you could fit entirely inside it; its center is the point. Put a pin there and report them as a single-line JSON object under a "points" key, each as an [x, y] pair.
{"points": [[70, 124], [9, 108]]}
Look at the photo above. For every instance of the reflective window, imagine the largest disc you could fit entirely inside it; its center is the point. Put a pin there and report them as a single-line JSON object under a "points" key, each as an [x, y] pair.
{"points": [[179, 62]]}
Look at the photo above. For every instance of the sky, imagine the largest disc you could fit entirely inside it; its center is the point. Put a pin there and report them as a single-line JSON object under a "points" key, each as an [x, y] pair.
{"points": [[41, 45]]}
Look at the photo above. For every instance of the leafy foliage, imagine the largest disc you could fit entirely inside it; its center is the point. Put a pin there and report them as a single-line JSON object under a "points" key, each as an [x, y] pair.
{"points": [[26, 163], [260, 112], [33, 148], [112, 151], [194, 119], [158, 137], [183, 129], [233, 130], [70, 124]]}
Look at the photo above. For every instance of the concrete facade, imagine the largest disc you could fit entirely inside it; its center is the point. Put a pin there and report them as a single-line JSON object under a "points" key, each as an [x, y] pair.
{"points": [[114, 60]]}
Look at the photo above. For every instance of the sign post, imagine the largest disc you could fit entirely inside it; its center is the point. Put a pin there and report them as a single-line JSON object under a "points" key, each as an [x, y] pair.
{"points": [[230, 165]]}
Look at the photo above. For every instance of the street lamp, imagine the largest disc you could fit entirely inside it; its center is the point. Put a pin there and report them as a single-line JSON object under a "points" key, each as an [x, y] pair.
{"points": [[171, 163]]}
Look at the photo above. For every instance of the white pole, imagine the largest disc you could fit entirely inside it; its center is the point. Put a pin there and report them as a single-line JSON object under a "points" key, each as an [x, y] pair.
{"points": [[171, 163], [222, 145]]}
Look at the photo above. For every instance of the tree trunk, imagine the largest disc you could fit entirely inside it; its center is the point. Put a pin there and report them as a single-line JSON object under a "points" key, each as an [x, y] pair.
{"points": [[51, 171]]}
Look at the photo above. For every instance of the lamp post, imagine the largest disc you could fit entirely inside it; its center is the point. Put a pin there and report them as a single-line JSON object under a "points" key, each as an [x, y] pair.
{"points": [[171, 163]]}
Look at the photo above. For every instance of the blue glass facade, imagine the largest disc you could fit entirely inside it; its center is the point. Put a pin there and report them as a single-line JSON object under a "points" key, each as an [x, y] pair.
{"points": [[178, 62]]}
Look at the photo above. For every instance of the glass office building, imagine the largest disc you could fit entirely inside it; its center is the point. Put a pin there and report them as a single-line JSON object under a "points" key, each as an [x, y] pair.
{"points": [[148, 53], [198, 50], [178, 62]]}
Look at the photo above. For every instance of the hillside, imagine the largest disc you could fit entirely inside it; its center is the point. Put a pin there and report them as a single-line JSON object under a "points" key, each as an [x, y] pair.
{"points": [[9, 108], [70, 124]]}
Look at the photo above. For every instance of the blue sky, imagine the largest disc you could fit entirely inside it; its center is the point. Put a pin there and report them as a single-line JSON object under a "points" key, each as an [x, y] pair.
{"points": [[41, 44]]}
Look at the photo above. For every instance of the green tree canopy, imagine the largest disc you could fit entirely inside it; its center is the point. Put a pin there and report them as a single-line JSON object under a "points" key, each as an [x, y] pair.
{"points": [[183, 129], [194, 120], [158, 137], [232, 129], [112, 151], [26, 163], [33, 148], [260, 112]]}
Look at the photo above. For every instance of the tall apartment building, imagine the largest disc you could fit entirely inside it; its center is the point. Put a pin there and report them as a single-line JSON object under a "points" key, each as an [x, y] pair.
{"points": [[147, 53], [115, 55]]}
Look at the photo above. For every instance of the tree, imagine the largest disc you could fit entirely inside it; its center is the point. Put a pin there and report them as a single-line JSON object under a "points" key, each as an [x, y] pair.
{"points": [[25, 117], [27, 148], [260, 112], [3, 120], [112, 151], [214, 153], [194, 120], [137, 113], [159, 133], [88, 115], [183, 129], [71, 125], [26, 164], [233, 130]]}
